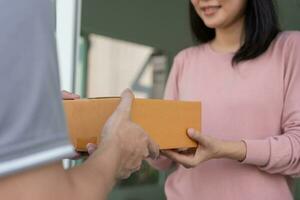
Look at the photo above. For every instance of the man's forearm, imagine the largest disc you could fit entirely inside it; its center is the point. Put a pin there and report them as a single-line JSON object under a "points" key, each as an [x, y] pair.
{"points": [[97, 175], [46, 182], [92, 180]]}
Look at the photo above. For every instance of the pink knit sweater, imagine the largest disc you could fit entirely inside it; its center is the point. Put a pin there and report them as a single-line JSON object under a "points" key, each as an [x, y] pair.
{"points": [[258, 101]]}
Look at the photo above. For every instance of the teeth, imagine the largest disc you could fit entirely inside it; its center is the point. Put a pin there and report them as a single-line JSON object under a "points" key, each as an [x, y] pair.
{"points": [[211, 9]]}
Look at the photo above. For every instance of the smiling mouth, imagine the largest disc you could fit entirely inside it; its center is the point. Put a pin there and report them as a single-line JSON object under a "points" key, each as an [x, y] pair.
{"points": [[210, 10]]}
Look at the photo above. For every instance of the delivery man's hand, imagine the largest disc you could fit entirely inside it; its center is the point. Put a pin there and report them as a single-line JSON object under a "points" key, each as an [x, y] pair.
{"points": [[126, 139], [124, 145]]}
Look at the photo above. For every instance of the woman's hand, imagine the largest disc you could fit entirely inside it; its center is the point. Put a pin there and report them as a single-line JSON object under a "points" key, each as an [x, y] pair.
{"points": [[208, 148], [68, 95]]}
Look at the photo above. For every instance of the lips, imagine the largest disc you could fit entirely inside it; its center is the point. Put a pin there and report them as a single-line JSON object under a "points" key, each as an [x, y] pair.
{"points": [[210, 10]]}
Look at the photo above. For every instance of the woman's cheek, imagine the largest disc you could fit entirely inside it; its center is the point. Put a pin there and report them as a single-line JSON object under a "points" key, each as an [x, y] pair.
{"points": [[195, 2]]}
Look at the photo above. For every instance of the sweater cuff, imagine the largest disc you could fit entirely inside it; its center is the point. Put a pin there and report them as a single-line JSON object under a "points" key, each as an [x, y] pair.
{"points": [[258, 152]]}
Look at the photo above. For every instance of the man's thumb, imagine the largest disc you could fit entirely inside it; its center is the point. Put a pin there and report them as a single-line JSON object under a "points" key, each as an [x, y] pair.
{"points": [[125, 104]]}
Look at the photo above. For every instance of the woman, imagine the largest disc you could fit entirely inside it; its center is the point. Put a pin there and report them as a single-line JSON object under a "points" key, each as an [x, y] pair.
{"points": [[246, 73]]}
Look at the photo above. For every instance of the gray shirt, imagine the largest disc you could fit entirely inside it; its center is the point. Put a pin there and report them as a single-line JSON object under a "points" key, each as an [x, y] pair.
{"points": [[32, 125]]}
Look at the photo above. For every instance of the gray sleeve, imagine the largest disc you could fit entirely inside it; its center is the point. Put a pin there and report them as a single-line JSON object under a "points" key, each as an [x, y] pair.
{"points": [[32, 124]]}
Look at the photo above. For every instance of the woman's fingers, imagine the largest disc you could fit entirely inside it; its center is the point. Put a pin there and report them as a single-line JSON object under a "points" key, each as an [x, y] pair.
{"points": [[187, 161], [68, 95], [192, 157], [180, 150], [153, 149]]}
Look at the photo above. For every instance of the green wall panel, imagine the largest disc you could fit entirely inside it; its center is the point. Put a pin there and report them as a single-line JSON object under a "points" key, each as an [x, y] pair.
{"points": [[156, 23], [289, 14]]}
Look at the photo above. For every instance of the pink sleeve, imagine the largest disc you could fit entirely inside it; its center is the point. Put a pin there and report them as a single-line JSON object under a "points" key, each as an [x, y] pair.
{"points": [[171, 93], [281, 154]]}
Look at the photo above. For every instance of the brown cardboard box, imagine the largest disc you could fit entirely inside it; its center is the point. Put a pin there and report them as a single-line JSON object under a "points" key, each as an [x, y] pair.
{"points": [[165, 121]]}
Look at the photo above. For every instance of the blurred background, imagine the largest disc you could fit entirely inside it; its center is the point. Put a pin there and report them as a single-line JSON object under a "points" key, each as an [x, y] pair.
{"points": [[105, 46]]}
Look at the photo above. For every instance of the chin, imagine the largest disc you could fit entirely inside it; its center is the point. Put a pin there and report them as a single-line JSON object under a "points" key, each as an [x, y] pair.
{"points": [[213, 25]]}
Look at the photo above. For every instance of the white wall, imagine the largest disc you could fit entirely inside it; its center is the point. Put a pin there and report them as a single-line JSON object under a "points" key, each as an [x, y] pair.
{"points": [[114, 65]]}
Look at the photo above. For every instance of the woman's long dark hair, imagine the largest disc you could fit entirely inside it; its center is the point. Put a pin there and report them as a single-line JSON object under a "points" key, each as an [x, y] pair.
{"points": [[261, 27]]}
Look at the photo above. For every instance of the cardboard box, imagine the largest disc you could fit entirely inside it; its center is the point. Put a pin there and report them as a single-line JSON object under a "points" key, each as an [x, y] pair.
{"points": [[165, 121]]}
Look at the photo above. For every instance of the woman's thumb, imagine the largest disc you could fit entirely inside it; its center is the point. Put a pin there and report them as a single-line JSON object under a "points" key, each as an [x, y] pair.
{"points": [[195, 135]]}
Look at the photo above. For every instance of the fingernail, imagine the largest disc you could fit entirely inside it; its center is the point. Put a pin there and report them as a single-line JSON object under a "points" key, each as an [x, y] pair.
{"points": [[127, 90], [90, 147], [191, 131]]}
